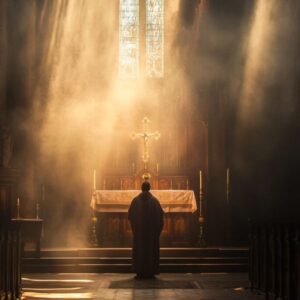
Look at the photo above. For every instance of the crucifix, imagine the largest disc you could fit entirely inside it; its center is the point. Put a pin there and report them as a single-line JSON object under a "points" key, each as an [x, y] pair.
{"points": [[145, 135]]}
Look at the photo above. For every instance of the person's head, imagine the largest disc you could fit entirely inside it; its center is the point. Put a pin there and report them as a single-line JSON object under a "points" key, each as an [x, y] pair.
{"points": [[146, 186]]}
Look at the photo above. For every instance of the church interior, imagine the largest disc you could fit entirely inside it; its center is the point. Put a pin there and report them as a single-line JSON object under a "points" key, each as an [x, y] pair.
{"points": [[198, 97]]}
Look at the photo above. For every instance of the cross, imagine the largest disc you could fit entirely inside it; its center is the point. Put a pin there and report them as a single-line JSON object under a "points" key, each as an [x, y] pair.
{"points": [[145, 135]]}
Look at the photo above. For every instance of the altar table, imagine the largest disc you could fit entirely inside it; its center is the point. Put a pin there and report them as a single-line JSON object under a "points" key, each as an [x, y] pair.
{"points": [[113, 228]]}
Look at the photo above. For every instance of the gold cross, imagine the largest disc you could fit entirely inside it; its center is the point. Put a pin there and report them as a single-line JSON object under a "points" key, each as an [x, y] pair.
{"points": [[146, 136]]}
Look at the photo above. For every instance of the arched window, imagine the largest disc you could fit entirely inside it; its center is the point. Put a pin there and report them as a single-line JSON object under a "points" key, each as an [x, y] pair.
{"points": [[130, 35]]}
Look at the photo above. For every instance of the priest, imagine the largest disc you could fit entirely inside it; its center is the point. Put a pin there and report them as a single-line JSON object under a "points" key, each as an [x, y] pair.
{"points": [[146, 218]]}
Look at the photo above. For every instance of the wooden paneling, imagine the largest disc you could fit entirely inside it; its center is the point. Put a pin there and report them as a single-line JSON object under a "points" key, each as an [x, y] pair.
{"points": [[118, 182], [127, 183], [164, 184], [114, 229], [173, 183]]}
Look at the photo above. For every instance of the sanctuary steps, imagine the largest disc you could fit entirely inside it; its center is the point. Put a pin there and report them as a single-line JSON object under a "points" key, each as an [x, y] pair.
{"points": [[118, 260]]}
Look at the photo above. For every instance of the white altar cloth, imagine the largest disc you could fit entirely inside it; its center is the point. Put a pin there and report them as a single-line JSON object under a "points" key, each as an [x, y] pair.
{"points": [[171, 201]]}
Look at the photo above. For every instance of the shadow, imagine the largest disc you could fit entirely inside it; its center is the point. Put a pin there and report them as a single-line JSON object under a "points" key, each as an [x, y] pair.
{"points": [[154, 283]]}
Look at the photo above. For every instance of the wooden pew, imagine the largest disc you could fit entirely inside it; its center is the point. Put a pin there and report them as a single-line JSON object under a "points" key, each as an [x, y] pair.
{"points": [[275, 260], [10, 263]]}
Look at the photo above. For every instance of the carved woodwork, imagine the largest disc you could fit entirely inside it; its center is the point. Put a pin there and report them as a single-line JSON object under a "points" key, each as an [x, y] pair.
{"points": [[134, 182], [114, 229]]}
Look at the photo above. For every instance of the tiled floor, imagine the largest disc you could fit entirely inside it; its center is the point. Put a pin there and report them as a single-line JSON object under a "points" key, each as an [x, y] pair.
{"points": [[125, 287]]}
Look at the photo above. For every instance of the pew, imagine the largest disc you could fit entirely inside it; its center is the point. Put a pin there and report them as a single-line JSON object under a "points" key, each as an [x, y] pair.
{"points": [[274, 261], [10, 247]]}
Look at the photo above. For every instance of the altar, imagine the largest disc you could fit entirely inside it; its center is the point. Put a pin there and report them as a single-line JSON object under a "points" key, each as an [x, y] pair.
{"points": [[110, 204], [113, 229]]}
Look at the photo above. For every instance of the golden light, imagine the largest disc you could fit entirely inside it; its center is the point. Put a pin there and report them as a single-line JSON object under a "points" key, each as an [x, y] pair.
{"points": [[52, 289], [58, 280], [26, 295], [85, 103], [261, 32]]}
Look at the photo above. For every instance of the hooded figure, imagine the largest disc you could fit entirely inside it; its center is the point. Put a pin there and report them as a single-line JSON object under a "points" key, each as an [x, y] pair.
{"points": [[146, 219]]}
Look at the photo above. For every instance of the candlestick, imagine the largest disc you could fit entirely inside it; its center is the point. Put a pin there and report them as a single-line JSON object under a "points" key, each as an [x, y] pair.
{"points": [[227, 184], [94, 238], [201, 241], [37, 211], [94, 180]]}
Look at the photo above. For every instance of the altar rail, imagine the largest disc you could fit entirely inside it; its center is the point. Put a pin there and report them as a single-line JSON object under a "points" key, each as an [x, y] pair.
{"points": [[275, 260]]}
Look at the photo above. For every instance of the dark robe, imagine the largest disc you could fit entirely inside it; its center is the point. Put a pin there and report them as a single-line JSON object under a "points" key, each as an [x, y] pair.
{"points": [[146, 218]]}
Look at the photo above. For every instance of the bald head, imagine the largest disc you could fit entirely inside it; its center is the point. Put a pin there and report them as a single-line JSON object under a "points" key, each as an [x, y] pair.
{"points": [[146, 186]]}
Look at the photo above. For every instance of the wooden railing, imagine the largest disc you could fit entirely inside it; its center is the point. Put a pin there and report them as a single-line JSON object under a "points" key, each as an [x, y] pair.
{"points": [[274, 267], [10, 261]]}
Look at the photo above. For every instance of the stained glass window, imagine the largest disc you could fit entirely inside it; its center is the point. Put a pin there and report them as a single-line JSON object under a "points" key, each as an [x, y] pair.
{"points": [[155, 38], [129, 55], [129, 39]]}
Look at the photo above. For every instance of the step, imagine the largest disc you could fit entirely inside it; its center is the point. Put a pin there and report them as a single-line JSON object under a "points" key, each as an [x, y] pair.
{"points": [[127, 260], [111, 260], [127, 268], [126, 252]]}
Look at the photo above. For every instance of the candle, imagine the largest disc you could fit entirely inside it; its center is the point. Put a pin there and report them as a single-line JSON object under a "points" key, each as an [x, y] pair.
{"points": [[94, 180], [133, 168], [43, 192], [200, 179], [157, 168], [18, 201], [37, 211]]}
